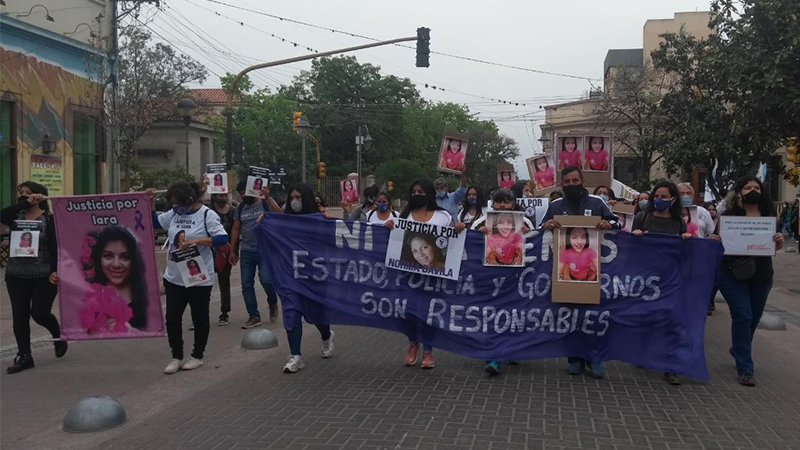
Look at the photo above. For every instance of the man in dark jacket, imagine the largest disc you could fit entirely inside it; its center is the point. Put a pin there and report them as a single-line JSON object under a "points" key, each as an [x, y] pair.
{"points": [[578, 202]]}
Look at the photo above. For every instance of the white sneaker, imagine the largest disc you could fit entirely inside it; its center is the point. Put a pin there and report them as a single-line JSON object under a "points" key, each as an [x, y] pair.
{"points": [[173, 366], [192, 363], [295, 364], [327, 347]]}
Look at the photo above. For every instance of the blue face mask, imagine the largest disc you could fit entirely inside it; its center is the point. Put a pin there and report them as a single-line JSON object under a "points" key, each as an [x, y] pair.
{"points": [[686, 201], [643, 203], [180, 209], [471, 201], [604, 197], [660, 204], [441, 194], [382, 207]]}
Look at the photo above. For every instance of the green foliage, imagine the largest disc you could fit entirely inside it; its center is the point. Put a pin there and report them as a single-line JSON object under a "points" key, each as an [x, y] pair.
{"points": [[141, 179], [402, 172]]}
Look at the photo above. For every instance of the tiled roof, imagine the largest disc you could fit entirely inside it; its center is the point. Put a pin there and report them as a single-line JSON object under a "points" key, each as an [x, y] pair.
{"points": [[212, 95]]}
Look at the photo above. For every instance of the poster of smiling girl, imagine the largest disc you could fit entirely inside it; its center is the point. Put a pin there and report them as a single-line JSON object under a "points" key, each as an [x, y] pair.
{"points": [[108, 280]]}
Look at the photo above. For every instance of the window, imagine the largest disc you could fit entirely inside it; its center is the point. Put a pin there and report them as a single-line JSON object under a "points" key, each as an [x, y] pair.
{"points": [[84, 151], [8, 142]]}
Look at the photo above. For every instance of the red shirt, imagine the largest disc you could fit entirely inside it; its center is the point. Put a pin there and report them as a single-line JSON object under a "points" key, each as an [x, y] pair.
{"points": [[505, 248], [578, 263], [597, 160], [569, 158], [507, 184], [453, 160], [546, 177]]}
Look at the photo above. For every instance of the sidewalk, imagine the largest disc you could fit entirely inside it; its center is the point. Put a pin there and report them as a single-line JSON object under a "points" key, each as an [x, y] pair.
{"points": [[363, 398]]}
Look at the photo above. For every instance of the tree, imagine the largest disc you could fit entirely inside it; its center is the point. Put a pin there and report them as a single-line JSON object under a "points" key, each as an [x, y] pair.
{"points": [[152, 77], [630, 109]]}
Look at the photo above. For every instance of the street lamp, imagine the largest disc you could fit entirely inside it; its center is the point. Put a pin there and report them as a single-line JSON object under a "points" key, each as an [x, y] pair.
{"points": [[186, 109], [302, 127], [361, 141]]}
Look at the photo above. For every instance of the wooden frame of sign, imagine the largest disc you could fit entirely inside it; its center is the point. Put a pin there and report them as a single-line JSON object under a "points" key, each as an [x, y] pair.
{"points": [[572, 292], [590, 177]]}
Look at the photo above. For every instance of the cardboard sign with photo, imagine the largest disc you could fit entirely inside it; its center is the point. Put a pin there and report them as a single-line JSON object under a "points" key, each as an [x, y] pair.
{"points": [[257, 178], [452, 153], [504, 245], [597, 154], [579, 254], [24, 239], [217, 176], [190, 265], [348, 188], [424, 248], [542, 172], [570, 151], [505, 177], [625, 214]]}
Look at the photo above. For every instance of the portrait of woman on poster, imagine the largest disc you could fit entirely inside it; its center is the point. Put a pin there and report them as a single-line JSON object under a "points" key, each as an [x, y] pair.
{"points": [[117, 263], [505, 179], [194, 268], [544, 175], [452, 156], [421, 249], [218, 179], [349, 192], [504, 244], [26, 240], [570, 154], [258, 184], [577, 261], [596, 154]]}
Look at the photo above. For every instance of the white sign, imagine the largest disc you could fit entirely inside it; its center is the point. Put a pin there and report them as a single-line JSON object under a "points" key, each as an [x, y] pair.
{"points": [[190, 265], [24, 239], [425, 248], [532, 207], [217, 177], [256, 179], [748, 236]]}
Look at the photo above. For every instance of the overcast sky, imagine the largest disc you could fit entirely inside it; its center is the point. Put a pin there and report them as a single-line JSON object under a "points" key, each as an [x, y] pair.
{"points": [[563, 36]]}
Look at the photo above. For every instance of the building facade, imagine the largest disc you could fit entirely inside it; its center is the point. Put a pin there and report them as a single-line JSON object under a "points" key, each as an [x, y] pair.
{"points": [[54, 56]]}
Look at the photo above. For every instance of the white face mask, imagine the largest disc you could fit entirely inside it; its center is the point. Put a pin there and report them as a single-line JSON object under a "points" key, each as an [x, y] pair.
{"points": [[297, 205]]}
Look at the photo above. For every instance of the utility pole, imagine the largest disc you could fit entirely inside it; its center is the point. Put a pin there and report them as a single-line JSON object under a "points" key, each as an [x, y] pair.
{"points": [[303, 135]]}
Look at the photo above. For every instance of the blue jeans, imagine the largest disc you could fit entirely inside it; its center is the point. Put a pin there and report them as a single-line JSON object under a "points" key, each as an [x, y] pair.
{"points": [[746, 302], [295, 335], [249, 262]]}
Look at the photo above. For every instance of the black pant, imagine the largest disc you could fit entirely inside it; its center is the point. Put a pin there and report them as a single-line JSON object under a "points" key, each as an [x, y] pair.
{"points": [[224, 278], [31, 299], [198, 298]]}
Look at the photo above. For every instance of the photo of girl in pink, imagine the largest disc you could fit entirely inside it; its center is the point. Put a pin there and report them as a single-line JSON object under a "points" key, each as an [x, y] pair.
{"points": [[504, 243], [194, 269], [451, 157], [569, 154], [349, 191], [505, 179], [578, 258], [258, 184], [218, 179], [117, 296], [542, 171], [26, 240], [596, 154]]}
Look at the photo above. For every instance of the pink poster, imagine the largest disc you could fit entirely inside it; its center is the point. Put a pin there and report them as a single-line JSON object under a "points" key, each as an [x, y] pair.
{"points": [[108, 280]]}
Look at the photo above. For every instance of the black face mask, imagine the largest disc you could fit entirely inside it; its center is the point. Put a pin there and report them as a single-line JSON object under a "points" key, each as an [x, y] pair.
{"points": [[249, 200], [573, 192], [24, 199], [418, 201], [752, 197]]}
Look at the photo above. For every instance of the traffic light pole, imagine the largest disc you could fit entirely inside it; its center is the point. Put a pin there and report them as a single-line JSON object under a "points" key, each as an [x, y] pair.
{"points": [[235, 82], [303, 135]]}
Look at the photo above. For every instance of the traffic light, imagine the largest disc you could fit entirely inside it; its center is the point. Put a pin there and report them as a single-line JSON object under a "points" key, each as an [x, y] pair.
{"points": [[791, 151], [296, 115], [321, 170], [389, 186], [237, 149], [423, 46]]}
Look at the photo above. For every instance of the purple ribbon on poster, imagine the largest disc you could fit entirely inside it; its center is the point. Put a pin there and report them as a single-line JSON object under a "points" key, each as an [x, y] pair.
{"points": [[138, 218]]}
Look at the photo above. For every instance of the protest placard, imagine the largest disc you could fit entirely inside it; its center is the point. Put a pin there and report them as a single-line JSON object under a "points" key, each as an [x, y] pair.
{"points": [[748, 236], [217, 176], [256, 179], [425, 248]]}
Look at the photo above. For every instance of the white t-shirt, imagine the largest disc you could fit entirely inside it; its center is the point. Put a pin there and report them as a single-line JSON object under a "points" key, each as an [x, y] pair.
{"points": [[372, 217], [705, 223], [193, 227], [440, 217]]}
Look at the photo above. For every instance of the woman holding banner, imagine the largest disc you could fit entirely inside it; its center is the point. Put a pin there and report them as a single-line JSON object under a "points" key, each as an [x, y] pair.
{"points": [[422, 207], [474, 205], [31, 281], [745, 281], [201, 227], [300, 201], [383, 209]]}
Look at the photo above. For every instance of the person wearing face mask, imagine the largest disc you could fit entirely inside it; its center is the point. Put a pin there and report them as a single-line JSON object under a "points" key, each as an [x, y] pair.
{"points": [[474, 205], [642, 202], [606, 194], [383, 209], [449, 201], [423, 207], [221, 205], [300, 201], [201, 227], [360, 214], [32, 282], [578, 202], [705, 223], [745, 281], [244, 249]]}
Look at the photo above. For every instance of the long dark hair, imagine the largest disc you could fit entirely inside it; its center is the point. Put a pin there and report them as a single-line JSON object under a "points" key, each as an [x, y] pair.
{"points": [[307, 197], [506, 195], [36, 188], [518, 188], [480, 202], [136, 279], [430, 192], [182, 193], [675, 209], [407, 255], [735, 206]]}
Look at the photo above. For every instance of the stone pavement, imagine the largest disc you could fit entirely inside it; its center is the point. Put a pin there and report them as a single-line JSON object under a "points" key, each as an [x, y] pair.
{"points": [[363, 398]]}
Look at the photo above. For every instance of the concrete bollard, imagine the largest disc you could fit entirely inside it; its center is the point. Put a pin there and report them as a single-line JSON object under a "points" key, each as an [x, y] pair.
{"points": [[93, 414], [259, 339], [771, 322]]}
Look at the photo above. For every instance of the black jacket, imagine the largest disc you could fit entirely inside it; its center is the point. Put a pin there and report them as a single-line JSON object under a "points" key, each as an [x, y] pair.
{"points": [[10, 214], [588, 205]]}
